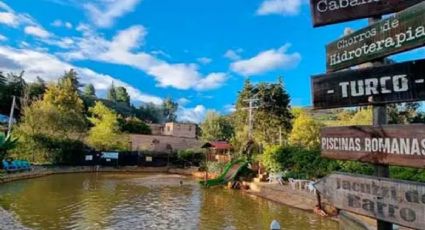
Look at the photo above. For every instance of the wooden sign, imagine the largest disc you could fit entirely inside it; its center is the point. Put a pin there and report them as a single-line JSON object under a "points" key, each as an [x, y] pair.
{"points": [[402, 145], [401, 32], [395, 83], [394, 201], [332, 11]]}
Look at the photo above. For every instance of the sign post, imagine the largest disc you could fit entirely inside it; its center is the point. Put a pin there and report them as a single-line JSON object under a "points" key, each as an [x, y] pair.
{"points": [[393, 83], [388, 200], [380, 118], [402, 145], [327, 12], [379, 144], [402, 32]]}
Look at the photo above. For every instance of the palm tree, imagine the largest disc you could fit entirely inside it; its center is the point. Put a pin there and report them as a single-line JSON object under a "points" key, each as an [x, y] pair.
{"points": [[6, 143]]}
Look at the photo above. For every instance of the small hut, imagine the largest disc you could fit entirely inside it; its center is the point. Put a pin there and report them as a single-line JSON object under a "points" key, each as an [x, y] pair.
{"points": [[219, 151]]}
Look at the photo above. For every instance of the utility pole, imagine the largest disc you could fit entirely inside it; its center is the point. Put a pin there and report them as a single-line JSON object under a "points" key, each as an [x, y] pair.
{"points": [[12, 110], [251, 108]]}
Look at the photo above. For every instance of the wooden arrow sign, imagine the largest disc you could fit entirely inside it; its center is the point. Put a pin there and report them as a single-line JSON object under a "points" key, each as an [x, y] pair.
{"points": [[402, 145], [332, 11], [395, 201], [401, 32], [395, 83]]}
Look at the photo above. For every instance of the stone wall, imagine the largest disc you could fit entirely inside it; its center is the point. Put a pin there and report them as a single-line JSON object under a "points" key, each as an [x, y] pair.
{"points": [[148, 142]]}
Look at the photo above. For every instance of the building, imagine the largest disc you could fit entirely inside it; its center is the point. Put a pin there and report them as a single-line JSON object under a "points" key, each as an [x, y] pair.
{"points": [[180, 130], [156, 129], [218, 151], [186, 130]]}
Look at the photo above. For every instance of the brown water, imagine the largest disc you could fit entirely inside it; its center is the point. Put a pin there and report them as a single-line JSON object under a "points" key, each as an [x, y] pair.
{"points": [[143, 201]]}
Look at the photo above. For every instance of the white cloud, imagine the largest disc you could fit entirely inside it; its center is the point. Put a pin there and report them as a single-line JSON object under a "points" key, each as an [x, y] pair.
{"points": [[204, 60], [183, 101], [281, 7], [195, 115], [60, 23], [3, 38], [122, 50], [57, 23], [5, 7], [36, 31], [267, 61], [211, 81], [103, 13], [68, 25], [233, 55], [9, 19], [50, 68]]}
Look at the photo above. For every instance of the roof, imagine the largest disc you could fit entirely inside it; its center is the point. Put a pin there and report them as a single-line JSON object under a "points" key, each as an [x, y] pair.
{"points": [[220, 145]]}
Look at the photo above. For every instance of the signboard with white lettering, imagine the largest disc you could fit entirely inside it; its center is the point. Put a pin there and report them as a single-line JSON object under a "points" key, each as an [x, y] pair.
{"points": [[402, 145], [394, 201], [400, 32], [89, 157], [395, 83], [333, 11], [110, 155]]}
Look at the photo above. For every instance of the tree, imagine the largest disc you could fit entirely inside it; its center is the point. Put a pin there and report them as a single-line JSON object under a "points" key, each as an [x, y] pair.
{"points": [[89, 90], [64, 97], [150, 112], [59, 113], [105, 133], [112, 94], [122, 95], [2, 81], [402, 113], [305, 131], [71, 76], [272, 116], [363, 116], [216, 127], [51, 129], [14, 85], [35, 90], [135, 125], [169, 108]]}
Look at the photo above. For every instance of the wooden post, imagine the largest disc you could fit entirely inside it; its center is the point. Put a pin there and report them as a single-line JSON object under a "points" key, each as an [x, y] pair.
{"points": [[319, 200], [380, 118], [206, 165]]}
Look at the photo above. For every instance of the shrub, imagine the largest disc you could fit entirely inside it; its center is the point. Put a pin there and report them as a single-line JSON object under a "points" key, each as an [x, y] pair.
{"points": [[213, 167], [189, 157], [44, 149], [299, 161]]}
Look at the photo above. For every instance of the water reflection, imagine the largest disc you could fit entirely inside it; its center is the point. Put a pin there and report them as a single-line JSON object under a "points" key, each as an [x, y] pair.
{"points": [[126, 201]]}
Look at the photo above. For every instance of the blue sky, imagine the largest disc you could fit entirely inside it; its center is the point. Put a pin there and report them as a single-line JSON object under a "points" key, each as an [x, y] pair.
{"points": [[197, 52]]}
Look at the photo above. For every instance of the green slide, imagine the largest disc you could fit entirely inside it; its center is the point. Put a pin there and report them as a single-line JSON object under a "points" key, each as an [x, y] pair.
{"points": [[230, 171]]}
